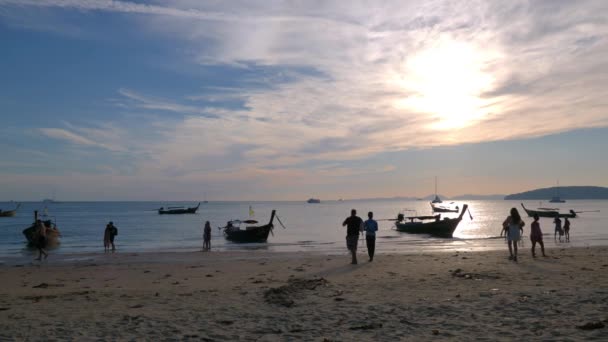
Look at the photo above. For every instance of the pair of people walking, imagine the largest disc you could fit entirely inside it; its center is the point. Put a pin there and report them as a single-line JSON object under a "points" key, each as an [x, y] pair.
{"points": [[354, 226], [514, 227]]}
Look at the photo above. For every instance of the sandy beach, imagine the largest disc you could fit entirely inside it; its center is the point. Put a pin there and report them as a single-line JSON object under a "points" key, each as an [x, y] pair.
{"points": [[297, 296]]}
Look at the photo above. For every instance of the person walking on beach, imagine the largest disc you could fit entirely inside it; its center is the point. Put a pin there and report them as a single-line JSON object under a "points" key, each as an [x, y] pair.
{"points": [[41, 240], [515, 225], [111, 232], [567, 229], [558, 229], [207, 236], [106, 238], [353, 225], [536, 236], [371, 227]]}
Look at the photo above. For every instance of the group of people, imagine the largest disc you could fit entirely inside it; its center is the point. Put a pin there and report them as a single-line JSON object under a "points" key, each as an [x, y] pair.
{"points": [[354, 226], [561, 231], [514, 227]]}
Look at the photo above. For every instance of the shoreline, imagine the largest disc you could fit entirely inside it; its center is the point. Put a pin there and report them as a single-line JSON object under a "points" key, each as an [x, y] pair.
{"points": [[308, 296], [191, 255]]}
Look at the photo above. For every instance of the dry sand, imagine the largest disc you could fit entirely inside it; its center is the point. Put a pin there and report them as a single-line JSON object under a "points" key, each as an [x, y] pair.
{"points": [[298, 296]]}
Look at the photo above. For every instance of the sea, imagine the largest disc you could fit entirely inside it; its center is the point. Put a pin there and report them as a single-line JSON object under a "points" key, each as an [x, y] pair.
{"points": [[307, 227]]}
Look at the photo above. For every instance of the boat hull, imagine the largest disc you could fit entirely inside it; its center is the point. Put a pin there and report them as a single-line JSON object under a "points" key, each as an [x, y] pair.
{"points": [[439, 209], [251, 234], [443, 228], [52, 236], [191, 210], [9, 213], [548, 213]]}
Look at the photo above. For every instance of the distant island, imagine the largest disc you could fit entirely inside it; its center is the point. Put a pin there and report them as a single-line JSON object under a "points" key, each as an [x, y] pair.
{"points": [[565, 192]]}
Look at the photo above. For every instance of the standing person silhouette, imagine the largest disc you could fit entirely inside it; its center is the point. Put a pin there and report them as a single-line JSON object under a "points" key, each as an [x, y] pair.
{"points": [[558, 228], [370, 227], [207, 236], [41, 240], [353, 225], [536, 236], [111, 232], [515, 226], [567, 229]]}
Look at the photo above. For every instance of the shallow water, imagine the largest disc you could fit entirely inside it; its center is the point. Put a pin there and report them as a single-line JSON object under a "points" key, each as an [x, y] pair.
{"points": [[309, 227]]}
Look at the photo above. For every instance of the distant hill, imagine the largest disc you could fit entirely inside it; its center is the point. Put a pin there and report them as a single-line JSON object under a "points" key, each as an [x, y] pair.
{"points": [[565, 192], [477, 197]]}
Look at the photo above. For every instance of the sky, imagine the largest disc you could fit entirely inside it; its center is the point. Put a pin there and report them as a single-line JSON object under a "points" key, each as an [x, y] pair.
{"points": [[286, 100]]}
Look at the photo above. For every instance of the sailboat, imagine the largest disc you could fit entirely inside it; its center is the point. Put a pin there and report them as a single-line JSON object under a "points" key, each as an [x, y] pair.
{"points": [[556, 199], [436, 199]]}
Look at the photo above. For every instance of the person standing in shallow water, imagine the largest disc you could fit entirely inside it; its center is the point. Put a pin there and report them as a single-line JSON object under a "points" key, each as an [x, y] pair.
{"points": [[207, 236], [567, 229], [558, 229], [515, 226], [41, 239], [111, 232], [536, 236], [353, 225], [371, 227]]}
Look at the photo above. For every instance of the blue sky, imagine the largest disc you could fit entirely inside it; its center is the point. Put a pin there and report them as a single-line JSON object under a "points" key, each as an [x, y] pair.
{"points": [[272, 100]]}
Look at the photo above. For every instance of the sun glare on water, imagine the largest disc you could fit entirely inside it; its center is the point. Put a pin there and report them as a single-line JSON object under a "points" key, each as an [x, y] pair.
{"points": [[446, 81]]}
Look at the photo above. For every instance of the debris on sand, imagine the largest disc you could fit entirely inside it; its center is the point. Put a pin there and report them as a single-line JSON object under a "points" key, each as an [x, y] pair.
{"points": [[591, 326], [284, 295], [477, 276], [367, 326]]}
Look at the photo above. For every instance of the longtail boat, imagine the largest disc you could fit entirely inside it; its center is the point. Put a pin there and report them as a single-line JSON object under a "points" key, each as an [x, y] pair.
{"points": [[178, 210], [250, 233], [548, 212], [444, 209], [9, 213], [52, 232], [435, 225]]}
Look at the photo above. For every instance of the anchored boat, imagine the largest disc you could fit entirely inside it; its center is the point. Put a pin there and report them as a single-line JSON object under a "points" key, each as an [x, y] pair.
{"points": [[178, 210], [548, 212], [432, 225], [250, 233]]}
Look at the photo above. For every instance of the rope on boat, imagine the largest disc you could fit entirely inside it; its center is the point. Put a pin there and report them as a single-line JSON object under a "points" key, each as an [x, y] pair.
{"points": [[278, 219]]}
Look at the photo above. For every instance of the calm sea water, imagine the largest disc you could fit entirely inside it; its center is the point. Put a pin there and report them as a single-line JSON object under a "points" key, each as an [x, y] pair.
{"points": [[309, 227]]}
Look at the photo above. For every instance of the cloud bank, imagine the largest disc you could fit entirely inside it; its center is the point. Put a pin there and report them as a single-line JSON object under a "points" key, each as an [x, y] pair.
{"points": [[357, 79]]}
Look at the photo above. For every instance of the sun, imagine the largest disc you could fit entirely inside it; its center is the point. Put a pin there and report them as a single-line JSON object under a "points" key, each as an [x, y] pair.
{"points": [[447, 81]]}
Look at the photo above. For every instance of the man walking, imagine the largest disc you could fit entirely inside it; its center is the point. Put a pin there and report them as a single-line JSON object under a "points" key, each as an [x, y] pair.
{"points": [[353, 225], [370, 227]]}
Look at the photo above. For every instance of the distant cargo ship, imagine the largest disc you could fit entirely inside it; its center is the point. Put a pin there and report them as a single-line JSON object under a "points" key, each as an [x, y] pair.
{"points": [[313, 200]]}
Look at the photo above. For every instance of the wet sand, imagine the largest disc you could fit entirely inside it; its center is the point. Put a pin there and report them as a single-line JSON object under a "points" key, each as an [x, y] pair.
{"points": [[297, 296]]}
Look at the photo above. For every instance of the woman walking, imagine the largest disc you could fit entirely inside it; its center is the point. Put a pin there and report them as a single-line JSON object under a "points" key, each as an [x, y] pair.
{"points": [[514, 226], [536, 236]]}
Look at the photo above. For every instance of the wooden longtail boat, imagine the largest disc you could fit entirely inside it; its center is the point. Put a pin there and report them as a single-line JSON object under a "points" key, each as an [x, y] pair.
{"points": [[443, 209], [9, 213], [250, 233], [437, 227], [52, 232], [549, 213], [178, 210]]}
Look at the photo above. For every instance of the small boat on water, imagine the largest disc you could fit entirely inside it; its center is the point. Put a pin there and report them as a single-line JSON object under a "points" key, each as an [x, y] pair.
{"points": [[250, 233], [432, 225], [52, 232], [178, 210], [548, 212], [313, 200], [436, 199], [9, 213], [444, 209]]}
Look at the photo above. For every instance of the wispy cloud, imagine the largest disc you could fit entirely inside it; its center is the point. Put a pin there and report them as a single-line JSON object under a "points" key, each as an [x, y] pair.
{"points": [[332, 82]]}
